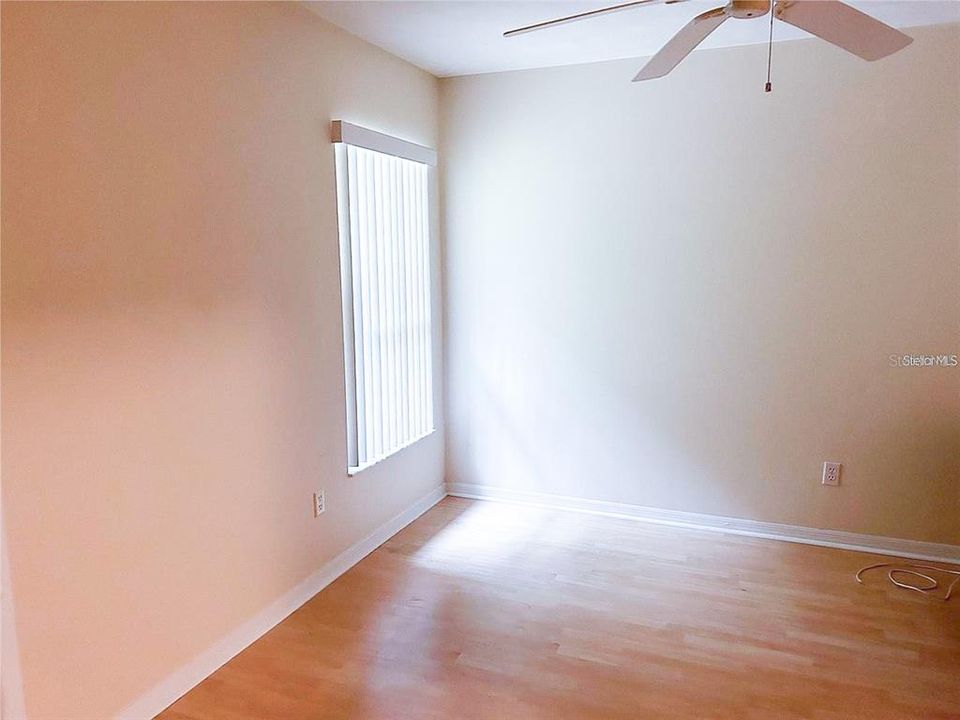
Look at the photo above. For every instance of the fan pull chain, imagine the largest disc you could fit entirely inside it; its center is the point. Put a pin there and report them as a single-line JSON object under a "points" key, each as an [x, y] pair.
{"points": [[769, 86]]}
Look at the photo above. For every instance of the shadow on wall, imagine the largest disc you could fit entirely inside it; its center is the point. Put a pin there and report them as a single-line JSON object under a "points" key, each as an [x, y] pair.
{"points": [[683, 294], [575, 418]]}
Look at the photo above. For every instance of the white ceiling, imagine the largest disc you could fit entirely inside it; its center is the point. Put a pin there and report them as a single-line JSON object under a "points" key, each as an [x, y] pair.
{"points": [[464, 37]]}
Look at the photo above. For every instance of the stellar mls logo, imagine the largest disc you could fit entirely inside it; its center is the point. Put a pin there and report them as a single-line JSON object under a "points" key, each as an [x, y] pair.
{"points": [[923, 361]]}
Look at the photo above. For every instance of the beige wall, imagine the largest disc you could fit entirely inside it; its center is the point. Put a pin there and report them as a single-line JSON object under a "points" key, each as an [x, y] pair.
{"points": [[172, 352], [684, 293]]}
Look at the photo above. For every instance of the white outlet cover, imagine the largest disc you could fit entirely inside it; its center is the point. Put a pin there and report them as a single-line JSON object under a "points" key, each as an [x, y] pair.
{"points": [[319, 503], [831, 474]]}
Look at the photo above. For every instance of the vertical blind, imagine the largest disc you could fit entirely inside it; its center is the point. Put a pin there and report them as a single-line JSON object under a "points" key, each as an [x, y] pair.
{"points": [[385, 249]]}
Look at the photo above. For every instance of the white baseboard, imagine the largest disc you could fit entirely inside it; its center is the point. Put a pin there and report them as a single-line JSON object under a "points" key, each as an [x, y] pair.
{"points": [[737, 526], [174, 686]]}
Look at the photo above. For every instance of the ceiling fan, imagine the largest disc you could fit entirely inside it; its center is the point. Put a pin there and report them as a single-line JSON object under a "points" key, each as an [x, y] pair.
{"points": [[833, 21]]}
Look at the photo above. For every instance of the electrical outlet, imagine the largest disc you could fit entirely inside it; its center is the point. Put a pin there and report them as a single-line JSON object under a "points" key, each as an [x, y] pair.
{"points": [[831, 474], [319, 503]]}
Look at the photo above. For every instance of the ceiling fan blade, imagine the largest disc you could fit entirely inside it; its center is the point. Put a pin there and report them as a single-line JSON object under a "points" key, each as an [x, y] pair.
{"points": [[843, 26], [584, 16], [682, 44]]}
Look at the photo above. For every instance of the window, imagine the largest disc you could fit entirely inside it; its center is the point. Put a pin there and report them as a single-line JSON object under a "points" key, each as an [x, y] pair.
{"points": [[383, 206]]}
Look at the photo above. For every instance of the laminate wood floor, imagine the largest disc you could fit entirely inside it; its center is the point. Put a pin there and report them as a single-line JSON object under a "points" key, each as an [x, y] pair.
{"points": [[494, 611]]}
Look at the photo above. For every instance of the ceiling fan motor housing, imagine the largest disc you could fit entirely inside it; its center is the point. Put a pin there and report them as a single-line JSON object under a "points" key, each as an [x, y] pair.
{"points": [[746, 9], [831, 20]]}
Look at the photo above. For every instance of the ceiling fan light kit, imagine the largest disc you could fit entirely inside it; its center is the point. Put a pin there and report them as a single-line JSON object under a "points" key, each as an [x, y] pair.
{"points": [[831, 20]]}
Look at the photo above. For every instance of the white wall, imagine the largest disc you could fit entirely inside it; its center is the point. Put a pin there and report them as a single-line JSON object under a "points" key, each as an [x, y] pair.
{"points": [[684, 293], [173, 385]]}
